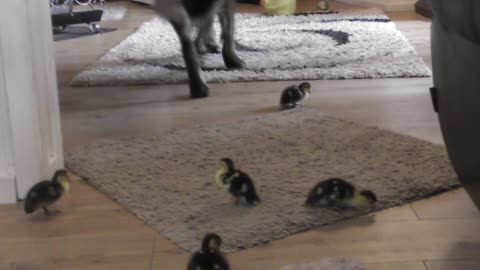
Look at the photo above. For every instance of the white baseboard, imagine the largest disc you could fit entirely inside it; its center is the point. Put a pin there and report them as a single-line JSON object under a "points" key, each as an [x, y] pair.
{"points": [[7, 190], [391, 5]]}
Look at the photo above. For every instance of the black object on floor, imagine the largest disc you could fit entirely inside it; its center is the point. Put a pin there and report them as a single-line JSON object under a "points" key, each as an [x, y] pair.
{"points": [[89, 17], [456, 75], [255, 2]]}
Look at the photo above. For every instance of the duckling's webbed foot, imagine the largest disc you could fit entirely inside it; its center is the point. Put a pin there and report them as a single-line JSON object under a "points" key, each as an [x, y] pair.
{"points": [[236, 201], [55, 212], [51, 212], [230, 200]]}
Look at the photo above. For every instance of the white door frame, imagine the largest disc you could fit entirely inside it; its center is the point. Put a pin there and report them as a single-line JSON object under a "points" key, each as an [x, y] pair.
{"points": [[30, 133]]}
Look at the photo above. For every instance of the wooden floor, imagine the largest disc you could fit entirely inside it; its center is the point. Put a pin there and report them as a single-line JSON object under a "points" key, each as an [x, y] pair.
{"points": [[93, 233]]}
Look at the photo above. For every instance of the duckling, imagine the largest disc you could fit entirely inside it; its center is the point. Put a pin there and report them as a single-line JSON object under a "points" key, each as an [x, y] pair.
{"points": [[294, 94], [323, 5], [209, 256], [339, 194], [46, 192], [238, 183]]}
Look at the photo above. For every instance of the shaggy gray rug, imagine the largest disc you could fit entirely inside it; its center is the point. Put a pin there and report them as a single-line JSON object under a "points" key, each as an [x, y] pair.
{"points": [[351, 44], [168, 181]]}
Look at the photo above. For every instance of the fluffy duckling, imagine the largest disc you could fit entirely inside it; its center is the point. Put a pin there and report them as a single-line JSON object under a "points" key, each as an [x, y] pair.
{"points": [[209, 256], [323, 5], [338, 193], [238, 183], [46, 192], [294, 94]]}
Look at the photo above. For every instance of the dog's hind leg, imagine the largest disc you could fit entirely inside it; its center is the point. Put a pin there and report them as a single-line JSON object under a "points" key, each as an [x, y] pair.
{"points": [[227, 21], [206, 39], [184, 28]]}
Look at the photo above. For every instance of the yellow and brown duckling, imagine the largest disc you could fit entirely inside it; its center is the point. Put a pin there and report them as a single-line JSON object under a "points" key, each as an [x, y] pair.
{"points": [[238, 183], [209, 256], [323, 6], [339, 194], [47, 192], [293, 95]]}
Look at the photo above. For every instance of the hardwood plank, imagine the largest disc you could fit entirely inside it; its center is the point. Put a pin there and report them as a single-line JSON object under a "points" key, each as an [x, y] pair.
{"points": [[376, 242], [454, 265], [261, 264], [370, 242], [388, 103], [91, 233], [177, 260], [452, 205], [401, 213], [101, 251], [397, 266]]}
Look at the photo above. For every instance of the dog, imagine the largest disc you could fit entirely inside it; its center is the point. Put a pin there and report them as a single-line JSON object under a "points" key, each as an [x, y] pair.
{"points": [[193, 21]]}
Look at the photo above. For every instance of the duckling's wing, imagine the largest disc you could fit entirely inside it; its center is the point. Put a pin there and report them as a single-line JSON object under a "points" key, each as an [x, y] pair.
{"points": [[36, 195], [248, 188], [316, 194], [236, 186], [194, 261], [311, 195], [246, 181], [222, 262], [343, 189], [31, 202], [287, 95], [52, 192]]}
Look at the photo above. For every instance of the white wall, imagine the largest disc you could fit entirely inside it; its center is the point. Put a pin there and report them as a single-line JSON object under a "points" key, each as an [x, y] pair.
{"points": [[30, 139], [7, 171], [387, 5]]}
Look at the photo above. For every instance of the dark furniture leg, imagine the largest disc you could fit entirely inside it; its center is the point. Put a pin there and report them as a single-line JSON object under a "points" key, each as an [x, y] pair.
{"points": [[456, 74], [423, 8]]}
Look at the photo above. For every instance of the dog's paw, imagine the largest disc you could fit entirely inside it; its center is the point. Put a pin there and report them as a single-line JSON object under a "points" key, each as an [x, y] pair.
{"points": [[212, 48], [232, 60], [199, 90]]}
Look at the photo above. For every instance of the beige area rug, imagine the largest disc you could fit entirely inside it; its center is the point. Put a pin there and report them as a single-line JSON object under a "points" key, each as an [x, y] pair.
{"points": [[168, 181]]}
